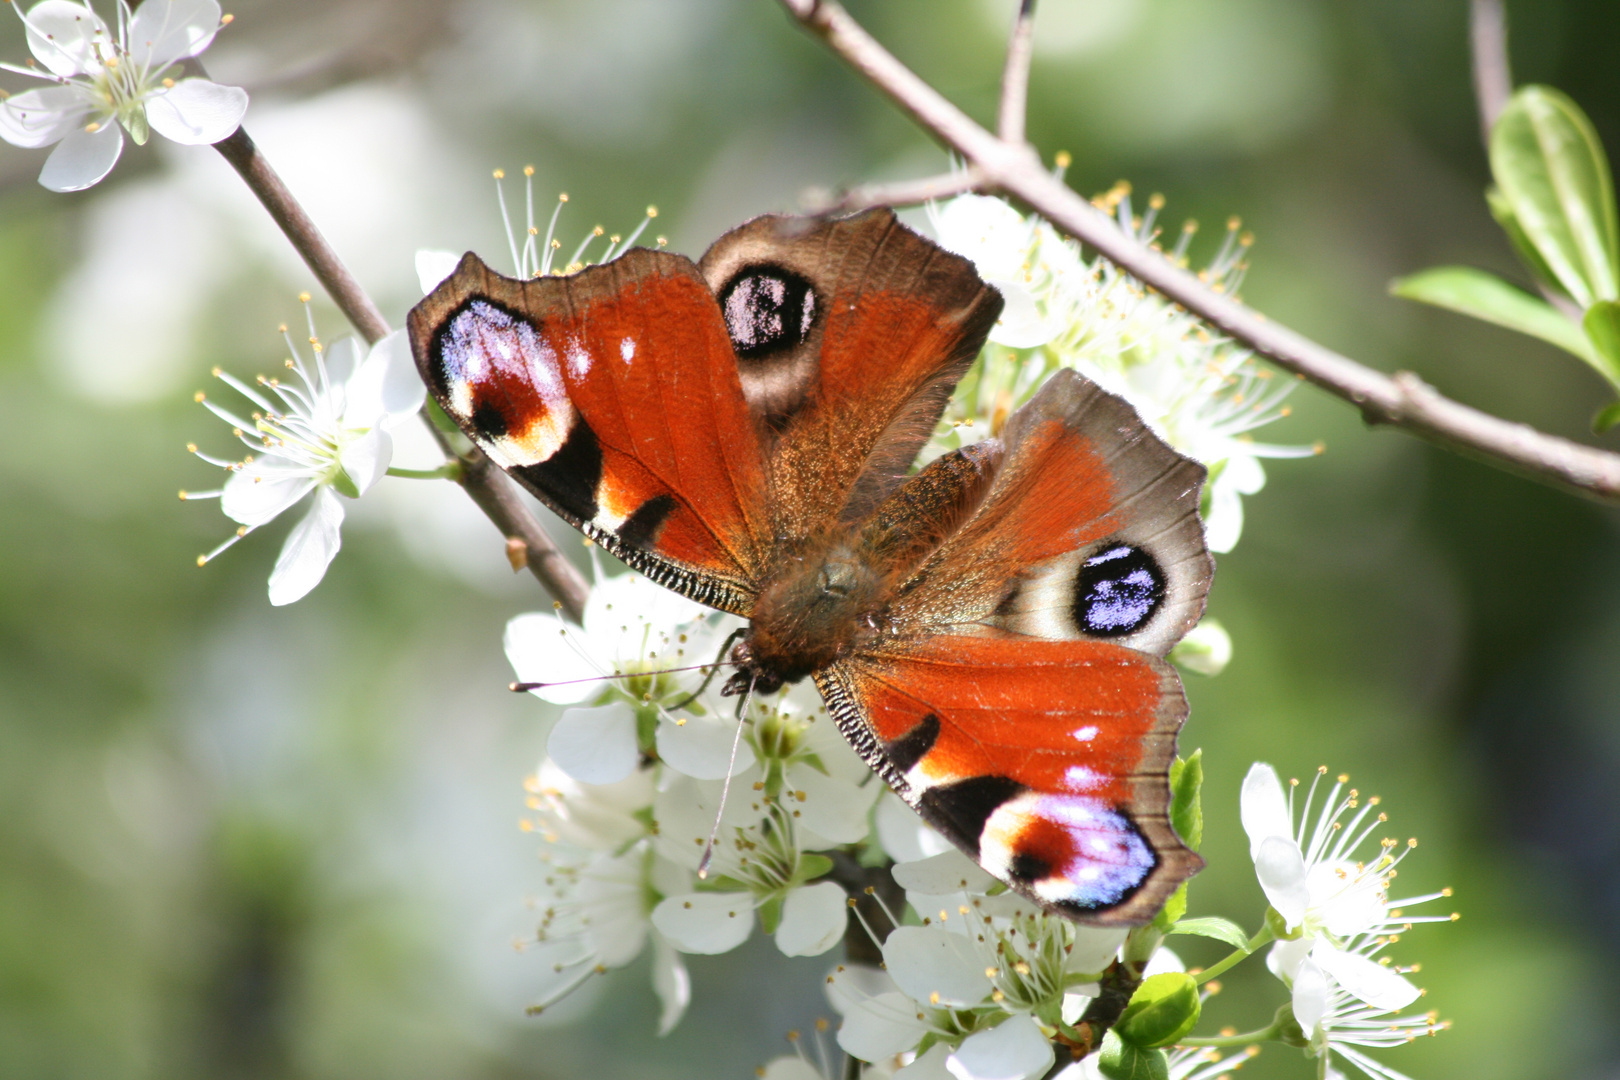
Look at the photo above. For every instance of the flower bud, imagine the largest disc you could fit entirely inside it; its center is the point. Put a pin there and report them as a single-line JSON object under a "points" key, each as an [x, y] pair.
{"points": [[1163, 1009]]}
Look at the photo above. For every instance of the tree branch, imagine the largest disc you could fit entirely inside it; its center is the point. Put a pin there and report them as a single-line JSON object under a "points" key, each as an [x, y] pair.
{"points": [[1015, 76], [1493, 79], [898, 193], [1401, 400], [487, 485]]}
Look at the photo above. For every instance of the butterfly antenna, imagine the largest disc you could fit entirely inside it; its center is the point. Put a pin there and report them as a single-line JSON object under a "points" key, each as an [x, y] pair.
{"points": [[725, 788], [719, 662], [524, 687]]}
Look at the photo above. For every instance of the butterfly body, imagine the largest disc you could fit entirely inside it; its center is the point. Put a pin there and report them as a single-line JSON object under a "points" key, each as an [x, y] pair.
{"points": [[986, 631]]}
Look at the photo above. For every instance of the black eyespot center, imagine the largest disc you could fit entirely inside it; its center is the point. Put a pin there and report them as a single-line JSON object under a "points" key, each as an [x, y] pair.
{"points": [[1119, 589], [767, 309]]}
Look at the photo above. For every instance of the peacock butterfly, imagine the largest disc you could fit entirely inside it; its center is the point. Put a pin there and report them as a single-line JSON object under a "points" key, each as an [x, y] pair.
{"points": [[988, 632]]}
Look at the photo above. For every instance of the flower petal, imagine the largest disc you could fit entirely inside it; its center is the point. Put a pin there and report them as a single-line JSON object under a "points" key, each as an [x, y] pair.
{"points": [[40, 117], [904, 835], [948, 872], [384, 387], [833, 809], [254, 498], [1310, 997], [671, 983], [813, 919], [1286, 956], [543, 648], [82, 158], [701, 747], [1368, 980], [64, 36], [928, 1066], [1014, 1049], [928, 960], [166, 30], [309, 550], [596, 746], [1020, 325], [1281, 870], [1095, 947], [707, 923], [1263, 807], [988, 231], [196, 112], [876, 1028], [366, 459], [1348, 900], [432, 267]]}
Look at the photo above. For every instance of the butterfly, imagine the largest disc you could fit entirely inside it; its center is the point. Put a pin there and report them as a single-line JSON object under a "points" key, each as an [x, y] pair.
{"points": [[987, 631]]}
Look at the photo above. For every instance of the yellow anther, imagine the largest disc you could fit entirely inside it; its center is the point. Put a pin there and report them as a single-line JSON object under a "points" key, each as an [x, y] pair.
{"points": [[528, 170], [1062, 159], [226, 19], [500, 174]]}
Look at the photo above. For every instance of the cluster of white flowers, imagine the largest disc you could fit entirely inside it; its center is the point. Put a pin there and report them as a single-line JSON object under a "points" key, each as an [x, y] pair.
{"points": [[108, 81], [1198, 390]]}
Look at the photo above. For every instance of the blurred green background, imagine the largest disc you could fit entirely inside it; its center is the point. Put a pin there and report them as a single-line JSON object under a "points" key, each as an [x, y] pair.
{"points": [[238, 841]]}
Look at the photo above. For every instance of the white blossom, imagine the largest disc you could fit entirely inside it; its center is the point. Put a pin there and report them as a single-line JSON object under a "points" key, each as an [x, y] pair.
{"points": [[323, 430], [107, 81], [1339, 1021], [1199, 391]]}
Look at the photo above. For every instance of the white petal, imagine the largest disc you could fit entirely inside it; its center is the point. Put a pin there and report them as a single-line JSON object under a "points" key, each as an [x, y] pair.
{"points": [[948, 872], [596, 746], [789, 1068], [685, 811], [1368, 980], [929, 960], [622, 609], [904, 835], [701, 747], [707, 922], [1095, 947], [196, 112], [929, 1066], [1020, 325], [832, 808], [1161, 961], [1286, 956], [672, 985], [543, 648], [38, 118], [63, 36], [813, 919], [613, 890], [433, 266], [384, 387], [254, 498], [165, 30], [850, 985], [1281, 870], [366, 459], [1263, 807], [880, 1027], [342, 361], [988, 231], [82, 158], [1014, 1049], [309, 550], [600, 817], [1310, 997], [1347, 900]]}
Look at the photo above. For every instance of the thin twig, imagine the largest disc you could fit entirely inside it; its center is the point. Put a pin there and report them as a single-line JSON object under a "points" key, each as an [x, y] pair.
{"points": [[1493, 79], [1015, 75], [1401, 400], [898, 193], [489, 487]]}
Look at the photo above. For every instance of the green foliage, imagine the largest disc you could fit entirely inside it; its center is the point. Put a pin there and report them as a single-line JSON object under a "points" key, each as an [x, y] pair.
{"points": [[1121, 1060], [1487, 297], [1186, 808], [1213, 926], [1163, 1009]]}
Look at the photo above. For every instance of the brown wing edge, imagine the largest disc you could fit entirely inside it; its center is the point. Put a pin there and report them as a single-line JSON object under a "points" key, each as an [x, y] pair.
{"points": [[1149, 808], [472, 277]]}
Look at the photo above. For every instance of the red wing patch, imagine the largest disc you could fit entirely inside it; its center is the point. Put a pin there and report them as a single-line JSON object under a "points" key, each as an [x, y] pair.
{"points": [[613, 395], [1045, 760]]}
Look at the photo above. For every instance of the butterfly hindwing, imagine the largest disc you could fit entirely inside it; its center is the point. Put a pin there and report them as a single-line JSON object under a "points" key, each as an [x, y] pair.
{"points": [[1044, 760], [613, 396]]}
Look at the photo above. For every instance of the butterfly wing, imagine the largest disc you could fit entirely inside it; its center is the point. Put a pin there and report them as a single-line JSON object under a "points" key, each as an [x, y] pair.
{"points": [[1018, 700], [613, 395], [850, 336]]}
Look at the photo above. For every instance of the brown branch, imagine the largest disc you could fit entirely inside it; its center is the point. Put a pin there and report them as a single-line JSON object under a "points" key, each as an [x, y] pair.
{"points": [[1401, 400], [1015, 75], [487, 485], [898, 193], [1493, 79]]}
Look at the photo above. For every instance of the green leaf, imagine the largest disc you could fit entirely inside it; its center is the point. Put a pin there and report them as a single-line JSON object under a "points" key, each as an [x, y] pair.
{"points": [[1602, 326], [1174, 908], [1502, 211], [1486, 296], [1186, 811], [1551, 169], [1213, 926], [1606, 418], [1163, 1009], [1120, 1060]]}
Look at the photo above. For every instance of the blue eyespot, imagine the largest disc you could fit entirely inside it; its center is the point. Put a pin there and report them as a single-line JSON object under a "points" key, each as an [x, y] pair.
{"points": [[1118, 591]]}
